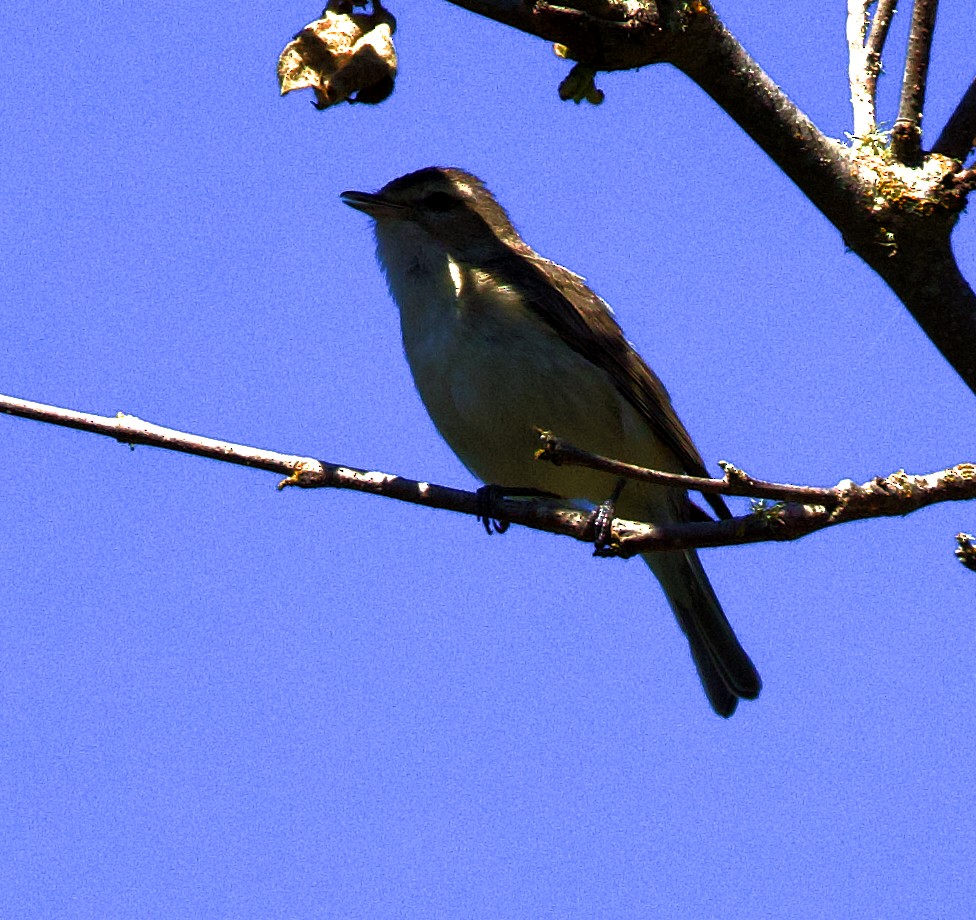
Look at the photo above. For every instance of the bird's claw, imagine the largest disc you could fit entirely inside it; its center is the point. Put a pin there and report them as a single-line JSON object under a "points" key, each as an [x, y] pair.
{"points": [[488, 497]]}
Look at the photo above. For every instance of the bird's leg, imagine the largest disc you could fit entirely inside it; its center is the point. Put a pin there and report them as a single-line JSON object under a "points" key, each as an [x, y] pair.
{"points": [[489, 496], [602, 522]]}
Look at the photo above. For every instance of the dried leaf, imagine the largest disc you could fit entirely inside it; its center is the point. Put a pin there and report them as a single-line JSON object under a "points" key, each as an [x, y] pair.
{"points": [[344, 56]]}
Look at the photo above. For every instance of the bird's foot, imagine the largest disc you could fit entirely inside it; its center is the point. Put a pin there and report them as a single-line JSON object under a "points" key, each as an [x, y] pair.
{"points": [[601, 520], [488, 498]]}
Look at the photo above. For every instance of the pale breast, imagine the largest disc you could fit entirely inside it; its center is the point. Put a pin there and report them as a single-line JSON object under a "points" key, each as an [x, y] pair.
{"points": [[490, 373]]}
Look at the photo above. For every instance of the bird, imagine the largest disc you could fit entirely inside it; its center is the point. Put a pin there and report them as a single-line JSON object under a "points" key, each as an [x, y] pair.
{"points": [[501, 343]]}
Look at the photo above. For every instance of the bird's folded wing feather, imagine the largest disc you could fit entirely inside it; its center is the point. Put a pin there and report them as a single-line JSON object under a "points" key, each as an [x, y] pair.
{"points": [[584, 322]]}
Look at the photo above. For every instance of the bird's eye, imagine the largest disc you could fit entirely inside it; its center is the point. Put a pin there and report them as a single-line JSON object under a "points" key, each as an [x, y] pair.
{"points": [[439, 202]]}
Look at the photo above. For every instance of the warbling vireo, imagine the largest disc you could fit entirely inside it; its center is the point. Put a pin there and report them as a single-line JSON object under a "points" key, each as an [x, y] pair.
{"points": [[502, 342]]}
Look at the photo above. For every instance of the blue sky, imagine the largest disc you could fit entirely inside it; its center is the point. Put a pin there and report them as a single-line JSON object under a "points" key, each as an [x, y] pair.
{"points": [[219, 700]]}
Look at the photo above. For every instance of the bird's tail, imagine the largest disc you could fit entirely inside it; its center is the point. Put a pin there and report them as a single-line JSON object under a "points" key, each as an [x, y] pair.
{"points": [[725, 670]]}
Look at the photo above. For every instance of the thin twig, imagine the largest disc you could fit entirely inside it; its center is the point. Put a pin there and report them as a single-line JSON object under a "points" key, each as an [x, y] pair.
{"points": [[858, 68], [906, 135], [865, 59], [879, 29], [877, 37], [304, 472], [958, 137], [736, 482]]}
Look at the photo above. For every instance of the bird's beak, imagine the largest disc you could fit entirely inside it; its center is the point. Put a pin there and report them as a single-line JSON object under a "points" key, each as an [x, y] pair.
{"points": [[373, 205]]}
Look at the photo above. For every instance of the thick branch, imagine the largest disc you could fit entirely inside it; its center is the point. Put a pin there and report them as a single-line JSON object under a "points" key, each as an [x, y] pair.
{"points": [[925, 276], [958, 137], [819, 165], [906, 135], [696, 42], [899, 228], [600, 31], [600, 34], [899, 494]]}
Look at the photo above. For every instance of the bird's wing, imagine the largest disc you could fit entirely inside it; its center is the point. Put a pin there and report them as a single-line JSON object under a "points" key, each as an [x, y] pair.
{"points": [[585, 322]]}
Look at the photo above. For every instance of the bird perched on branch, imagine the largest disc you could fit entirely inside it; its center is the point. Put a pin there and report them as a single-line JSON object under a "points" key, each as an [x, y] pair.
{"points": [[502, 342]]}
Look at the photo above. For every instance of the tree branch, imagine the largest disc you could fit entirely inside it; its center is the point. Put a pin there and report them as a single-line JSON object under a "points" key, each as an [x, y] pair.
{"points": [[898, 494], [879, 34], [865, 60], [892, 496], [897, 220], [819, 165], [859, 68], [304, 472], [600, 34], [906, 135], [736, 482], [958, 137]]}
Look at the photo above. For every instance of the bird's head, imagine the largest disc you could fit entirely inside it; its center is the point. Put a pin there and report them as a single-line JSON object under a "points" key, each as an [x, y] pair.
{"points": [[442, 207]]}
